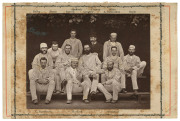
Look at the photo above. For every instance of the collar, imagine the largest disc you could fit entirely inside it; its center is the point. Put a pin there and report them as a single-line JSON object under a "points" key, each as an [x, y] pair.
{"points": [[43, 54], [73, 69], [88, 54], [111, 70], [131, 56], [67, 54], [111, 41], [72, 38], [41, 69], [93, 43], [55, 50], [114, 57]]}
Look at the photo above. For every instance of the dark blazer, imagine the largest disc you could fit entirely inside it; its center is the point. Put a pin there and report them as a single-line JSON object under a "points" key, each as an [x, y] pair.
{"points": [[98, 48]]}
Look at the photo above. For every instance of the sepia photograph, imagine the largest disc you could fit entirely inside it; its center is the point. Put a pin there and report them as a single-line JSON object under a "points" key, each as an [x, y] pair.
{"points": [[88, 61]]}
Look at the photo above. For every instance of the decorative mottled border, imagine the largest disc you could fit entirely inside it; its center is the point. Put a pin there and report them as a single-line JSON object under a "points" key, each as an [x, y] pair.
{"points": [[84, 115]]}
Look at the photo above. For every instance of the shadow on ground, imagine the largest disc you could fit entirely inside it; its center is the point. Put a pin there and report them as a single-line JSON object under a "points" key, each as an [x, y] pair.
{"points": [[98, 102]]}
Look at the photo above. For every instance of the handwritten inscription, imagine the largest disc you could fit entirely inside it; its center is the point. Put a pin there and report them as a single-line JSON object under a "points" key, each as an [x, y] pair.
{"points": [[36, 11]]}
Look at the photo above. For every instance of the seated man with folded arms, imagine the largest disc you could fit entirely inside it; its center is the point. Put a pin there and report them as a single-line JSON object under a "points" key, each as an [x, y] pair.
{"points": [[133, 67], [63, 61], [90, 64], [111, 84], [42, 80], [74, 84], [118, 64]]}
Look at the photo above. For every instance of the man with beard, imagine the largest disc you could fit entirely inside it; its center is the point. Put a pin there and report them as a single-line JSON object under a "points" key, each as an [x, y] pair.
{"points": [[133, 67], [118, 64], [42, 80], [62, 63], [75, 43], [90, 66], [54, 52], [74, 84], [111, 84], [112, 42], [96, 47], [36, 61]]}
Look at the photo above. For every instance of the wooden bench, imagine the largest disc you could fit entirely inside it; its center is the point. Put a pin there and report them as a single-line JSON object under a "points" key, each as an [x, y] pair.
{"points": [[129, 93], [138, 95]]}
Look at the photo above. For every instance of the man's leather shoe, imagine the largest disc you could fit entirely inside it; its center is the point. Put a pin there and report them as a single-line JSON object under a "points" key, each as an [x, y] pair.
{"points": [[69, 102], [47, 101], [86, 101], [114, 101], [108, 101], [35, 101]]}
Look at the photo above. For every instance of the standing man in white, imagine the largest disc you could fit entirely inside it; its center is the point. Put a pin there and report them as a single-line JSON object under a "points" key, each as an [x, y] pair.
{"points": [[75, 43], [112, 42]]}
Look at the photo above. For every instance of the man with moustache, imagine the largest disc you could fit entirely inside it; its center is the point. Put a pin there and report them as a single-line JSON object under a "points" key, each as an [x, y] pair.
{"points": [[74, 84], [133, 67], [90, 66], [75, 43], [112, 42], [42, 80], [95, 46], [111, 84], [63, 61]]}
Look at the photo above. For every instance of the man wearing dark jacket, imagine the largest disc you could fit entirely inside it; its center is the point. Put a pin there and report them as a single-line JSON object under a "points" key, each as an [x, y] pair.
{"points": [[96, 47]]}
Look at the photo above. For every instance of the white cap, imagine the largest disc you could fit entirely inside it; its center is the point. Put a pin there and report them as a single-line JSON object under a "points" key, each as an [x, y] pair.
{"points": [[43, 45], [74, 59], [113, 34], [131, 47], [110, 61]]}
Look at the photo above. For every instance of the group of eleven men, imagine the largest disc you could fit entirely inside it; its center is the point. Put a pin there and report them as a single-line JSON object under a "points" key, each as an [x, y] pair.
{"points": [[74, 68]]}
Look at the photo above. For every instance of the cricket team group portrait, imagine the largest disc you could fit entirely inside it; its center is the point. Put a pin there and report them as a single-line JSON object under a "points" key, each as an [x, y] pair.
{"points": [[101, 60], [87, 58]]}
